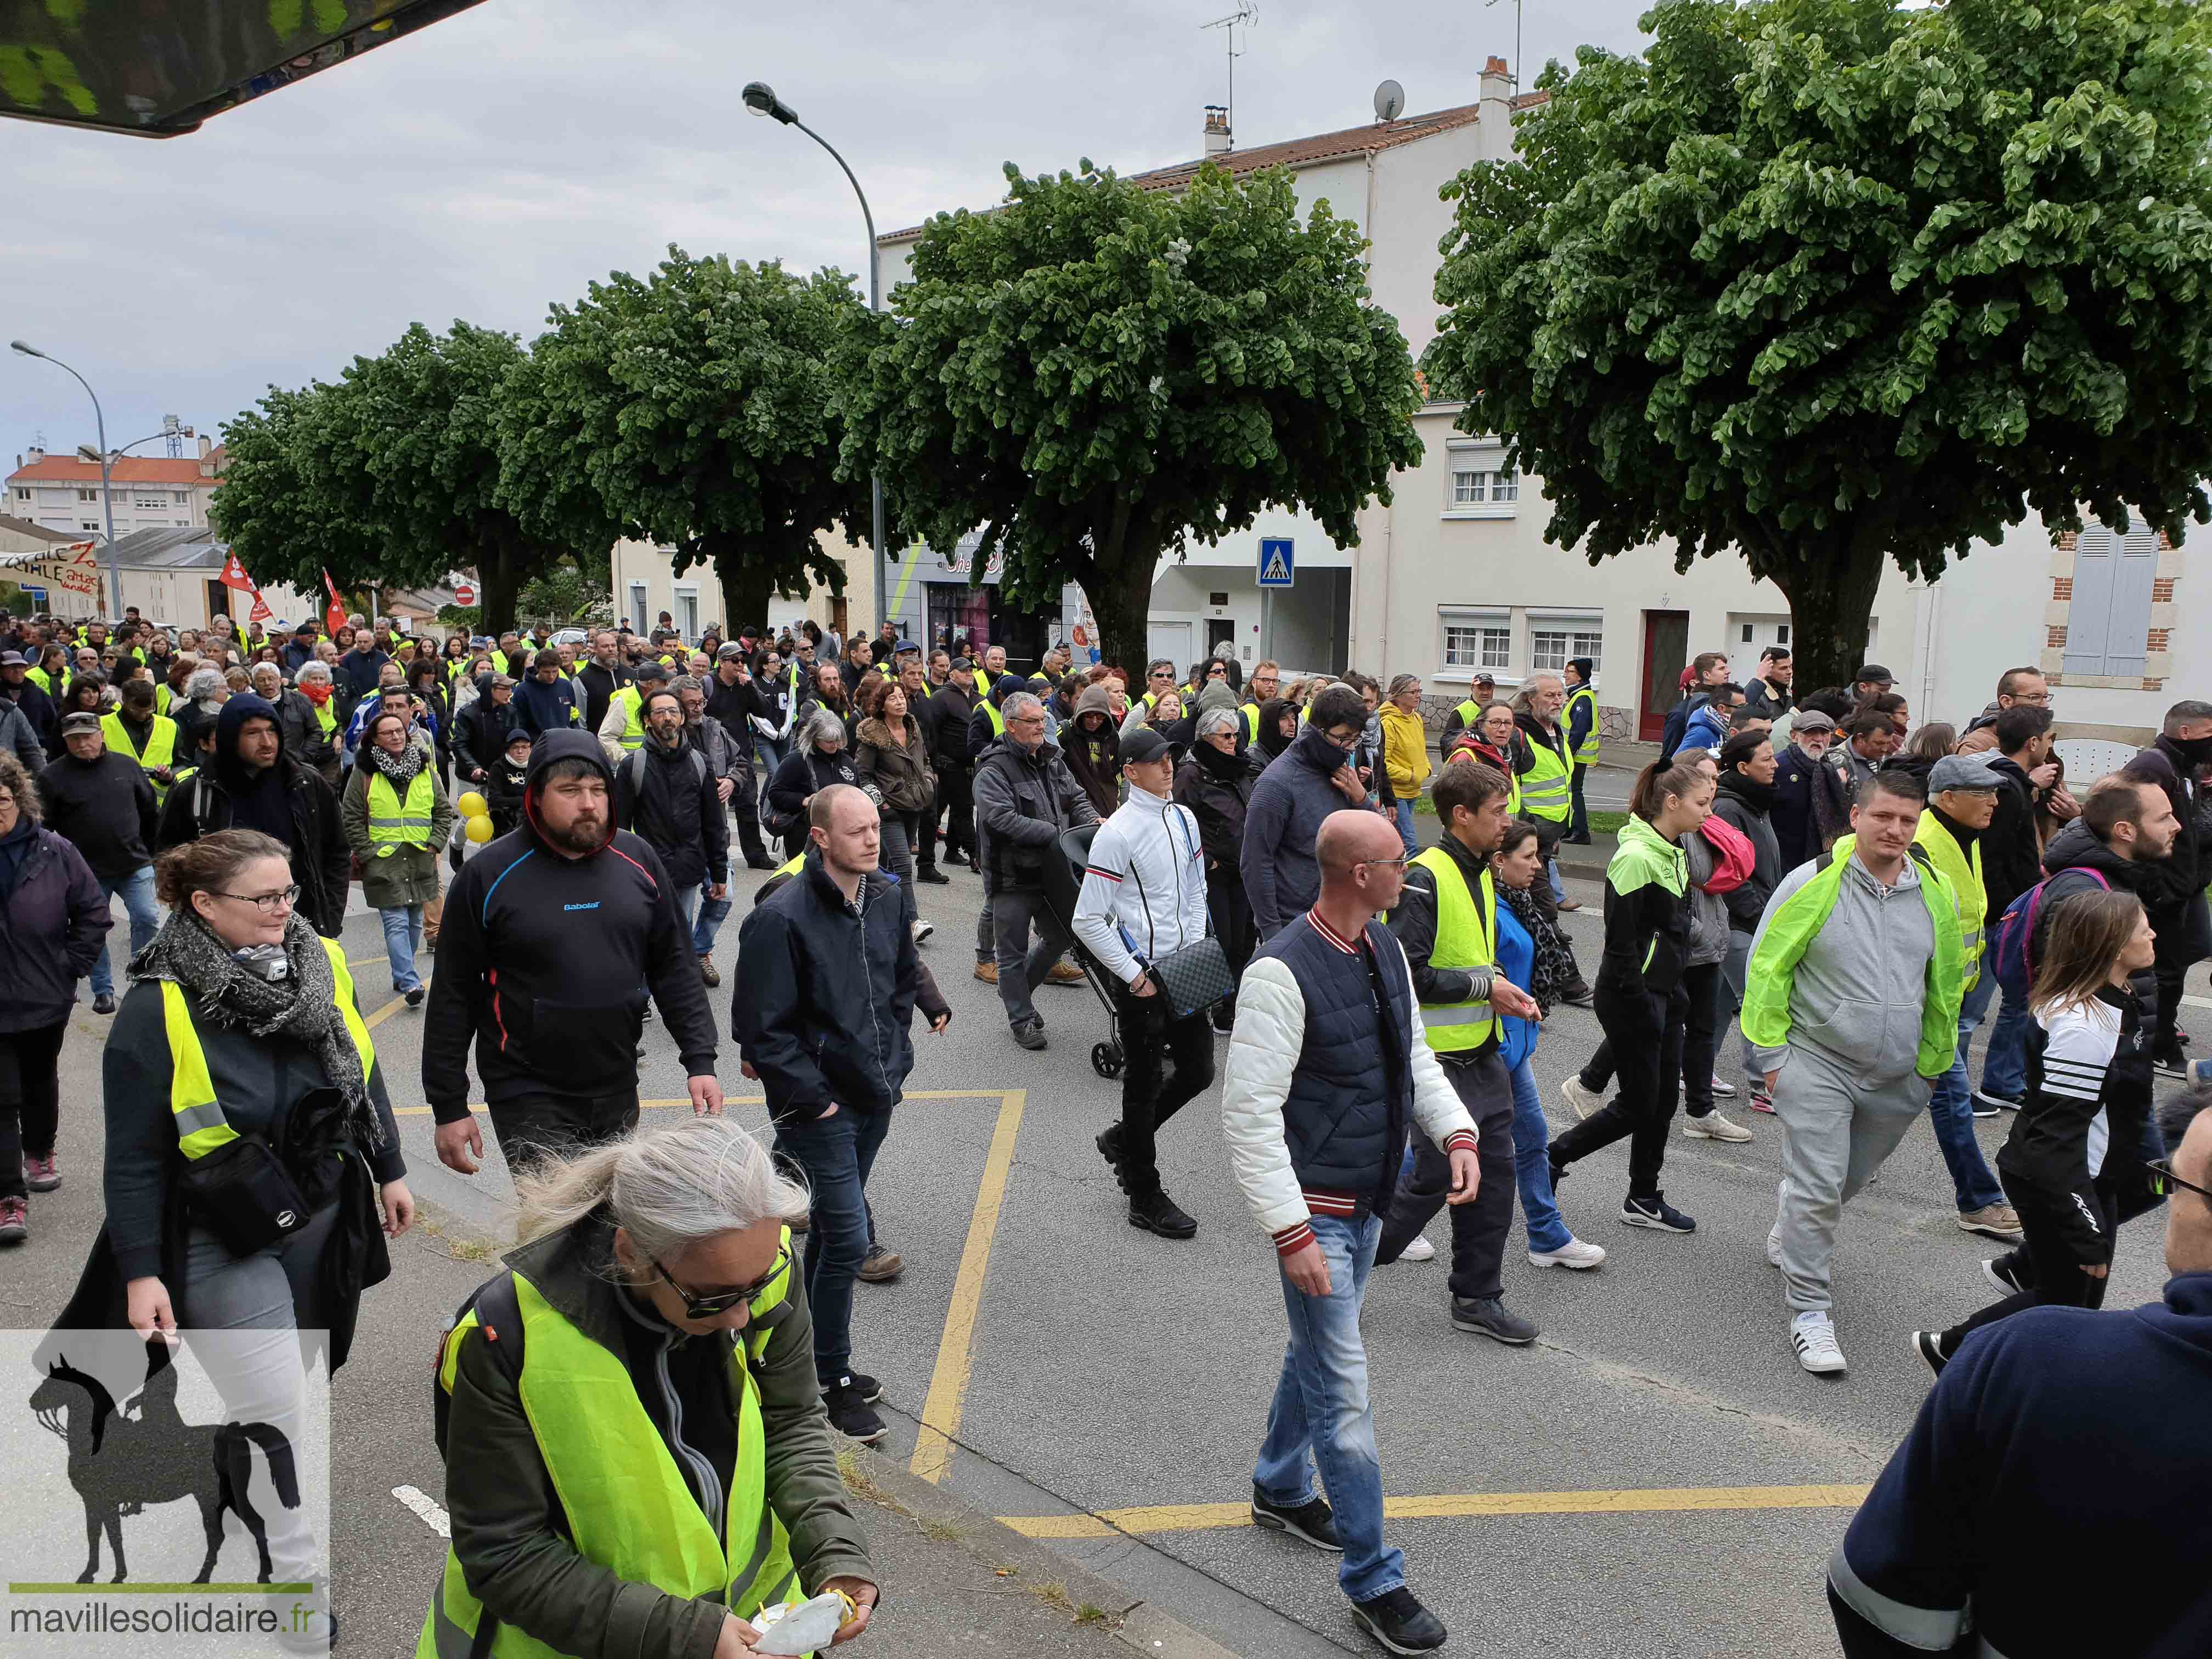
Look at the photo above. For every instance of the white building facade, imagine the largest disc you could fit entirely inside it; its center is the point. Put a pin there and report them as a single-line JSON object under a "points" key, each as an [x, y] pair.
{"points": [[148, 492]]}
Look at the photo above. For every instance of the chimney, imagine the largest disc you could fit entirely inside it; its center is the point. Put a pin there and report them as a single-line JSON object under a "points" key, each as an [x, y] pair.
{"points": [[206, 444], [1494, 121], [1217, 140]]}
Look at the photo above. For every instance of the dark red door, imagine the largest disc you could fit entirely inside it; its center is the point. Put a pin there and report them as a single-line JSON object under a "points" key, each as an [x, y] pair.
{"points": [[1666, 652]]}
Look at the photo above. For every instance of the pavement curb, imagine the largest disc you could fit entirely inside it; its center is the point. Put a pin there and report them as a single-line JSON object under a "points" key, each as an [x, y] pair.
{"points": [[1142, 1625]]}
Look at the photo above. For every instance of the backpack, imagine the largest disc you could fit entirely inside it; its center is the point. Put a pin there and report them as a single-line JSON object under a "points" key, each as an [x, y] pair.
{"points": [[500, 1315], [1735, 860], [2012, 954], [1670, 736]]}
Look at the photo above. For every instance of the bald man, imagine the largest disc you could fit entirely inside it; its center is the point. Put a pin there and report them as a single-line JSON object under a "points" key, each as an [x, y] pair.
{"points": [[1328, 1064]]}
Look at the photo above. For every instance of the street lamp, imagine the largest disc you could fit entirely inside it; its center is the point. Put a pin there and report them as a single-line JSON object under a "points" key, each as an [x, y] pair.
{"points": [[106, 497], [760, 98]]}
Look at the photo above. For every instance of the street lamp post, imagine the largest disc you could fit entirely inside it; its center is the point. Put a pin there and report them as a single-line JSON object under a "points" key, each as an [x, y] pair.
{"points": [[106, 495], [760, 98]]}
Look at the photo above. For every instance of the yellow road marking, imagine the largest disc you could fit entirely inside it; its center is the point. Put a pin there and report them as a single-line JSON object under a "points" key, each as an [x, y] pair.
{"points": [[372, 1021], [948, 1383], [1210, 1518], [727, 1100]]}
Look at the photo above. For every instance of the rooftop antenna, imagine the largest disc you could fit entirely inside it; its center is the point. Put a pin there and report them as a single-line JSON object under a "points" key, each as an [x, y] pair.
{"points": [[1248, 14], [1515, 75]]}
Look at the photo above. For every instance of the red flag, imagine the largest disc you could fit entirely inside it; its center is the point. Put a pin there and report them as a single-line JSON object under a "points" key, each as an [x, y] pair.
{"points": [[261, 613], [334, 617], [233, 575]]}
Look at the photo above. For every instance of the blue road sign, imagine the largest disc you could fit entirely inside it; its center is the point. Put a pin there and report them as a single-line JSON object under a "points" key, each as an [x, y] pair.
{"points": [[1278, 568]]}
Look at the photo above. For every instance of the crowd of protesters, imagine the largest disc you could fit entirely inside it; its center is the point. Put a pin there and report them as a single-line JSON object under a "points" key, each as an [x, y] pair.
{"points": [[1855, 895]]}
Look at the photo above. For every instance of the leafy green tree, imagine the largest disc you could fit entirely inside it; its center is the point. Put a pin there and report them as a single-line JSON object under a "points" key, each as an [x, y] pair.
{"points": [[1833, 282], [1097, 374], [691, 409], [386, 475]]}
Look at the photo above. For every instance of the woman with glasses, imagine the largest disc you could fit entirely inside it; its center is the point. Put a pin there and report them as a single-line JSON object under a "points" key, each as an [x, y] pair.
{"points": [[2073, 1163], [397, 816], [673, 1474], [239, 1063]]}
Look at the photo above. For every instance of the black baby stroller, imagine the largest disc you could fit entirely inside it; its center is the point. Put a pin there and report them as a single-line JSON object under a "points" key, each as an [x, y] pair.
{"points": [[1063, 882]]}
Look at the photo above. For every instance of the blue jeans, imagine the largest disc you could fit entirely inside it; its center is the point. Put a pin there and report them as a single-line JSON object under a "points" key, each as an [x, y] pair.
{"points": [[837, 1152], [1532, 1168], [137, 890], [713, 913], [1551, 875], [1320, 1409], [2004, 1062], [1951, 1107], [403, 938], [773, 751], [1405, 827]]}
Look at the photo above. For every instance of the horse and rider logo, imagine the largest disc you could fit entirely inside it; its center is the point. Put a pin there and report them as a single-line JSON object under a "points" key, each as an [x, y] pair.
{"points": [[128, 1457]]}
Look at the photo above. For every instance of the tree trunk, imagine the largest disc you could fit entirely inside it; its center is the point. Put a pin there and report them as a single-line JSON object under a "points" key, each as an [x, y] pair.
{"points": [[1122, 601], [746, 591], [501, 587], [1830, 585]]}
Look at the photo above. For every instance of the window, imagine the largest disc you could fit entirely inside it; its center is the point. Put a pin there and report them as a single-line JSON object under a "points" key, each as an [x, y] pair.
{"points": [[638, 619], [1473, 640], [22, 494], [182, 498], [687, 612], [88, 524], [87, 494], [1550, 646], [2108, 624], [147, 503], [1482, 485]]}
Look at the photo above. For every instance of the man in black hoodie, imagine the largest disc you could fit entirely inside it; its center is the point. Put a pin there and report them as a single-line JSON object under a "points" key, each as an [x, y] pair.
{"points": [[945, 721], [251, 783], [102, 804], [552, 936], [2176, 898]]}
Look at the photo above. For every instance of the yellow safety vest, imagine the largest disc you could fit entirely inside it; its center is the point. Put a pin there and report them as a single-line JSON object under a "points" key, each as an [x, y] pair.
{"points": [[998, 721], [393, 824], [161, 748], [1586, 751], [1466, 937], [198, 1116], [1468, 712], [326, 716], [633, 735], [791, 867], [1250, 711], [39, 677], [1964, 871], [627, 1507], [1544, 785]]}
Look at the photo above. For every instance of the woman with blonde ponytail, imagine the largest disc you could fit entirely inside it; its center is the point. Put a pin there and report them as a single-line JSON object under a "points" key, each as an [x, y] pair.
{"points": [[637, 1459]]}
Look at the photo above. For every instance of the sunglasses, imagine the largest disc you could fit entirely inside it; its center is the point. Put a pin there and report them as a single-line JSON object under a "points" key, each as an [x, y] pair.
{"points": [[713, 1307], [2163, 1169]]}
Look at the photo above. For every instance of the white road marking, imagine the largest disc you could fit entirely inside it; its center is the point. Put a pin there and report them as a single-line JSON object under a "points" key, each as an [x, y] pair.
{"points": [[433, 1517]]}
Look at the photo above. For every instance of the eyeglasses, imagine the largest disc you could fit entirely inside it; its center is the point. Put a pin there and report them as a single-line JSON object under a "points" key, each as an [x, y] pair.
{"points": [[2163, 1169], [2039, 698], [1342, 738], [713, 1307], [267, 903], [1398, 863]]}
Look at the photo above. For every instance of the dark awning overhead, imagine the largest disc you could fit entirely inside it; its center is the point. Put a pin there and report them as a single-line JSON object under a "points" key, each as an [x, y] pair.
{"points": [[157, 68]]}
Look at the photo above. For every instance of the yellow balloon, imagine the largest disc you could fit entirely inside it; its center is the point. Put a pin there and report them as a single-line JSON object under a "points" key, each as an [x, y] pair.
{"points": [[478, 828], [472, 805]]}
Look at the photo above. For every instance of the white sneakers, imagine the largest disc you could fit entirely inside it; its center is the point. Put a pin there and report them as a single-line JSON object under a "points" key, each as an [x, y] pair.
{"points": [[1774, 1248], [1813, 1336], [1574, 1254], [1583, 1100], [1420, 1250], [1715, 1126]]}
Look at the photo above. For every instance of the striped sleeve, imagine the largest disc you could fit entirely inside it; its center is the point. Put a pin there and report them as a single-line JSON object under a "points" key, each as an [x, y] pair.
{"points": [[2079, 1053]]}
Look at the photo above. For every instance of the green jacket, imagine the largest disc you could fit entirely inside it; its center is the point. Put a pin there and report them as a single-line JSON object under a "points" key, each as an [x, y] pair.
{"points": [[1867, 978]]}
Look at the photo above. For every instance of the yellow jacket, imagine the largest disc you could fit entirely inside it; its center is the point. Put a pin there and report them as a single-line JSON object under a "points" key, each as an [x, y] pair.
{"points": [[1405, 751]]}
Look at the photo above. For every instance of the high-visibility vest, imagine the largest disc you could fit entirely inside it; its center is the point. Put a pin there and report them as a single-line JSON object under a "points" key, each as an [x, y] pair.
{"points": [[991, 712], [161, 696], [161, 748], [791, 865], [1586, 751], [1466, 937], [626, 1503], [1544, 785], [39, 677], [631, 704], [1963, 869], [393, 824], [1250, 711], [1469, 712], [326, 716], [201, 1126]]}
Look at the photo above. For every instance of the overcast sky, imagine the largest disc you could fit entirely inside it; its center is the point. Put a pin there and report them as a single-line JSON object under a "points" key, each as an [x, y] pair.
{"points": [[505, 157]]}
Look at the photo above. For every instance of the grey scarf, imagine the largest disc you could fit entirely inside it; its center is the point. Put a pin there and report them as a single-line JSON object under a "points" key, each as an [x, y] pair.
{"points": [[303, 1006], [400, 768]]}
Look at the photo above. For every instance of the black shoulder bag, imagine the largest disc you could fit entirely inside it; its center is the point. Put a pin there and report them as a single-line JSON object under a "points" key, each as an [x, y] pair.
{"points": [[1194, 978]]}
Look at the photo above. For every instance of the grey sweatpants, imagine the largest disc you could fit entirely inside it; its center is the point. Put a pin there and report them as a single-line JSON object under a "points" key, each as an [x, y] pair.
{"points": [[1837, 1130], [1021, 964]]}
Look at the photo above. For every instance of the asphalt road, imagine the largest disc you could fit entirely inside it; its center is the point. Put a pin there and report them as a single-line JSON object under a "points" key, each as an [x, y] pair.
{"points": [[1072, 1365]]}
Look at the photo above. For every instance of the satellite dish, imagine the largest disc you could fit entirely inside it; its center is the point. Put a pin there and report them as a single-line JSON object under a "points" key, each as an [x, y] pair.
{"points": [[1389, 101]]}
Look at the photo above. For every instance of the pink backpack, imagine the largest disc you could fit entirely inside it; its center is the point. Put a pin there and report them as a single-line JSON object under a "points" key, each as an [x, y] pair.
{"points": [[1734, 859]]}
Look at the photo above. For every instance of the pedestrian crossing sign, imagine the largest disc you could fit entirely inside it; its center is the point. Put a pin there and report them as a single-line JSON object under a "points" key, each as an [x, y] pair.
{"points": [[1277, 567]]}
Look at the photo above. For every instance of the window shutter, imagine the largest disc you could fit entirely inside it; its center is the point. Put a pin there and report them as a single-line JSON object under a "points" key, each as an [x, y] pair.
{"points": [[2088, 620]]}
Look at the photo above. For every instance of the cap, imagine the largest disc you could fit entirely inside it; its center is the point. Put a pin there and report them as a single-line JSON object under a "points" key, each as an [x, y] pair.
{"points": [[1963, 772], [1486, 679], [83, 720], [1811, 720], [905, 645], [652, 670], [732, 651], [962, 666], [1873, 670], [517, 736], [13, 659], [497, 680], [1144, 745]]}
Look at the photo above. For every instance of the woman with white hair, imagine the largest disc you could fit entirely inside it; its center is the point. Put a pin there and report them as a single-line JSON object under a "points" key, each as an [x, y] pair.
{"points": [[205, 692], [818, 758], [671, 1475]]}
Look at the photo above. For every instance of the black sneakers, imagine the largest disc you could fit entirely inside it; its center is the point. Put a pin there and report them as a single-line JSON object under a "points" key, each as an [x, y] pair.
{"points": [[1400, 1623], [850, 1413], [1156, 1213], [1109, 1143], [1929, 1345], [1489, 1316], [934, 876], [1655, 1212], [1311, 1522]]}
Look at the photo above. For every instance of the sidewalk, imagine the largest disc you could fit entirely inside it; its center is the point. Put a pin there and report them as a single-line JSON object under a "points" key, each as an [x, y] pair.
{"points": [[955, 1581]]}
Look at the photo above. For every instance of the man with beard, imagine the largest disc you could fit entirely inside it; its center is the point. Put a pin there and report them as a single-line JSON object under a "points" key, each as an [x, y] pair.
{"points": [[251, 783], [553, 937], [2175, 897]]}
